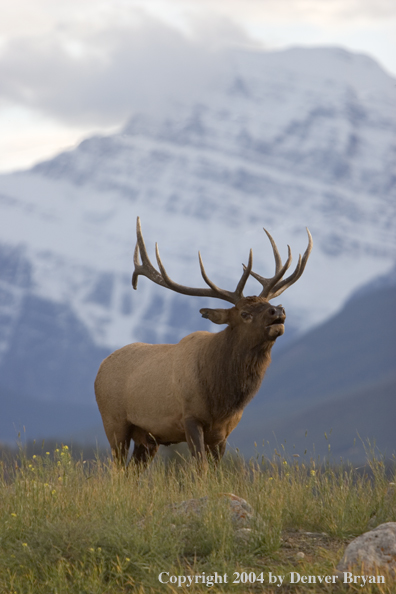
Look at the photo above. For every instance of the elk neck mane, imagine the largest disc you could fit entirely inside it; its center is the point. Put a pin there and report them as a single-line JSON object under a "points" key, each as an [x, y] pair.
{"points": [[232, 371]]}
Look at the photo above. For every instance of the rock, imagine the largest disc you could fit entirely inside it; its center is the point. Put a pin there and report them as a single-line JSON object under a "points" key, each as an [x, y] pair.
{"points": [[242, 514], [373, 551], [244, 534]]}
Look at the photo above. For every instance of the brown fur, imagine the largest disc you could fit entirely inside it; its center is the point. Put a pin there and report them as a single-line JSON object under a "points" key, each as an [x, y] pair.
{"points": [[193, 391]]}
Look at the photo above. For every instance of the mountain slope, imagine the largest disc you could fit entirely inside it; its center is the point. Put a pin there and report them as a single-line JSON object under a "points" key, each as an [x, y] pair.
{"points": [[351, 424], [339, 376], [59, 420]]}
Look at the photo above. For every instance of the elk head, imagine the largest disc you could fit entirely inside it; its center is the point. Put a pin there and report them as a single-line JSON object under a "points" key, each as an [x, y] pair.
{"points": [[264, 320]]}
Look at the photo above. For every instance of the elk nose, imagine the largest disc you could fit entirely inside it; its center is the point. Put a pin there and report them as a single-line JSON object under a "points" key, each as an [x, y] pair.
{"points": [[278, 312]]}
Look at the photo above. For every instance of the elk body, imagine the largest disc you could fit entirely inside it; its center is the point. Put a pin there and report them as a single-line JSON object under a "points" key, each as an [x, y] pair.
{"points": [[195, 390]]}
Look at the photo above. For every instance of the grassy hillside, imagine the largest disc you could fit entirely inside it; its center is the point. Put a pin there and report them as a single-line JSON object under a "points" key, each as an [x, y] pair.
{"points": [[76, 527]]}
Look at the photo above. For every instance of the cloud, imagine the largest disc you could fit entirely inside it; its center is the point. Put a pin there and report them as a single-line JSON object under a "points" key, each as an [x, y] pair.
{"points": [[307, 10], [102, 76], [84, 63]]}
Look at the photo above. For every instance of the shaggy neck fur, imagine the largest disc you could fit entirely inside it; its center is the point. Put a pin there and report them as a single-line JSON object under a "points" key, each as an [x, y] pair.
{"points": [[232, 372]]}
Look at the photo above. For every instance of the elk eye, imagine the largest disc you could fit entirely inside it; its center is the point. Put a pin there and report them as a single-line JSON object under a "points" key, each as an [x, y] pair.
{"points": [[246, 316]]}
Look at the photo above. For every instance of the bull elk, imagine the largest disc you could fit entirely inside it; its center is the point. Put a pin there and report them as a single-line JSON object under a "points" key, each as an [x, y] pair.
{"points": [[195, 390]]}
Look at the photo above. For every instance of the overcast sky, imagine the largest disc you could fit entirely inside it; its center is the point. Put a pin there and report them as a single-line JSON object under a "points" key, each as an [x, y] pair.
{"points": [[69, 68]]}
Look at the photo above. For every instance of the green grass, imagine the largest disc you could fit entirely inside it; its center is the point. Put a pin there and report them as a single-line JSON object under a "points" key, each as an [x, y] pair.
{"points": [[70, 526]]}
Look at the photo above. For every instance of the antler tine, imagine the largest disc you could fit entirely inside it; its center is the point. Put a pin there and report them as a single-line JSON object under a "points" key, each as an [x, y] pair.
{"points": [[287, 282], [205, 276], [272, 287], [280, 269], [279, 272], [246, 271], [137, 265], [269, 283], [278, 259], [146, 268], [238, 293]]}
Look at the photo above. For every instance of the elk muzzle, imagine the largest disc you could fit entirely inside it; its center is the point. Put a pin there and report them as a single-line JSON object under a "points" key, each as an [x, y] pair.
{"points": [[277, 317]]}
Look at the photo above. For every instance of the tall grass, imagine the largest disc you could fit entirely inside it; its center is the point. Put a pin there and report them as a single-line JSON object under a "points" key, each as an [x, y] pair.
{"points": [[70, 526]]}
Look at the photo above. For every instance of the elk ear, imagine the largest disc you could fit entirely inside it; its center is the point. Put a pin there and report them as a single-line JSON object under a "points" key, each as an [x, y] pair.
{"points": [[217, 316]]}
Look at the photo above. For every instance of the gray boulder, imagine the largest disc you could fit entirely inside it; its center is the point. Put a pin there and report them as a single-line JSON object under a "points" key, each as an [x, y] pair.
{"points": [[242, 514], [244, 520], [373, 551]]}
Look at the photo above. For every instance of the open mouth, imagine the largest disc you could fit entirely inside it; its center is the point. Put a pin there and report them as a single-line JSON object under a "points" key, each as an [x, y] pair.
{"points": [[277, 321]]}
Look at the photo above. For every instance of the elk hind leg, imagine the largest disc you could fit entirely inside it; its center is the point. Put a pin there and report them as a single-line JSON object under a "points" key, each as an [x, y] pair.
{"points": [[143, 454], [145, 447], [120, 440]]}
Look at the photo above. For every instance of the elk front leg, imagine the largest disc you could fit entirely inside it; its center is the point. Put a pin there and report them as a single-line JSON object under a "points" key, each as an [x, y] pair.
{"points": [[217, 451], [195, 440]]}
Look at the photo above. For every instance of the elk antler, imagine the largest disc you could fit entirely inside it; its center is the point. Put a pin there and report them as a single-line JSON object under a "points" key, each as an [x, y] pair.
{"points": [[272, 287], [161, 278]]}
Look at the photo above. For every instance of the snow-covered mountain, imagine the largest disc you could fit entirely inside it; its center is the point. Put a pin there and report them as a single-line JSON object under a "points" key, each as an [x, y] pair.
{"points": [[285, 140]]}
